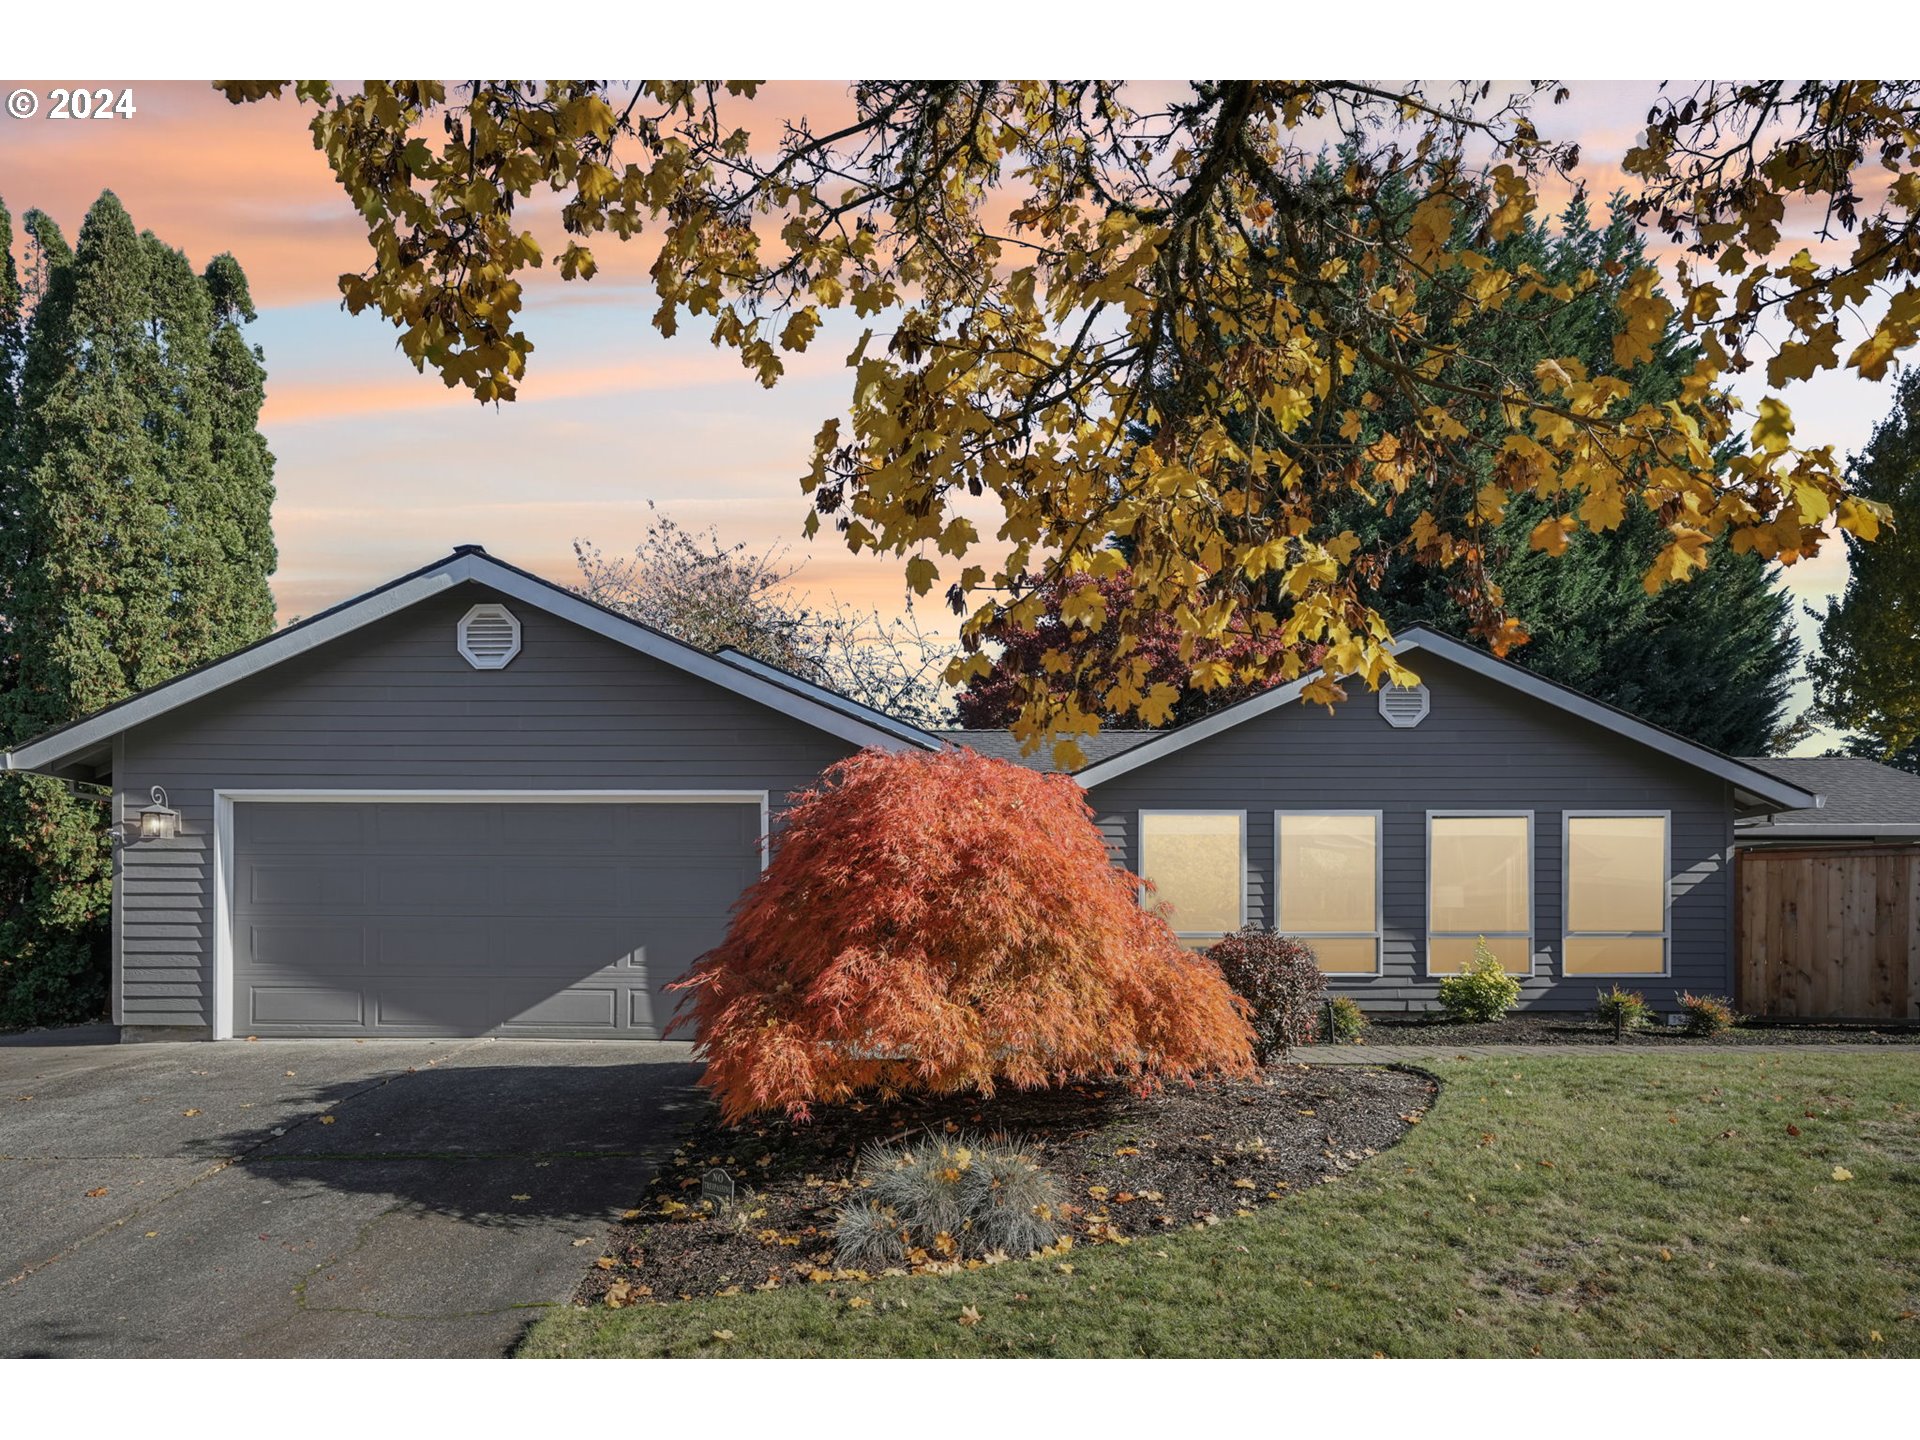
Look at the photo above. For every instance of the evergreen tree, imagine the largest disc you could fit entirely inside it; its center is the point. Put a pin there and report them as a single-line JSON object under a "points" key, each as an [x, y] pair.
{"points": [[126, 549], [1713, 659], [1866, 676]]}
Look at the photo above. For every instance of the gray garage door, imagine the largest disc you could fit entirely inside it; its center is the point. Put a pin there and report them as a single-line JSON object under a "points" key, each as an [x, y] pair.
{"points": [[464, 919]]}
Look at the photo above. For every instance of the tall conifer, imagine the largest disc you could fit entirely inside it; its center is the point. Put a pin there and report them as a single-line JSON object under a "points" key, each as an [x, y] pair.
{"points": [[126, 550], [1866, 678]]}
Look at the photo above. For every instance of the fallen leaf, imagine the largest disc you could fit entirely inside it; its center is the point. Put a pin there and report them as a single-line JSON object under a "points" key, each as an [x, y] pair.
{"points": [[1840, 1172], [723, 1335], [523, 1197], [326, 1119], [150, 1234], [857, 1302], [96, 1192], [605, 1262], [1243, 1184], [189, 1112], [1792, 1129], [583, 1240], [1666, 1255], [969, 1315]]}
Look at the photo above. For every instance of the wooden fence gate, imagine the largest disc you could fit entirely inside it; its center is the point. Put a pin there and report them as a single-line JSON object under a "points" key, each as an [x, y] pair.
{"points": [[1829, 932]]}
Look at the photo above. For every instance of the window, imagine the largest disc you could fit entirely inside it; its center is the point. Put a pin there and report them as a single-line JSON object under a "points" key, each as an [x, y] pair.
{"points": [[1328, 890], [1196, 860], [1616, 888], [1479, 885]]}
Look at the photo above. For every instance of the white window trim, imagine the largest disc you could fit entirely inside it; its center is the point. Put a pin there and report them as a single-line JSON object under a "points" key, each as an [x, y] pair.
{"points": [[1567, 932], [478, 661], [1140, 843], [1379, 894], [1533, 896], [223, 866]]}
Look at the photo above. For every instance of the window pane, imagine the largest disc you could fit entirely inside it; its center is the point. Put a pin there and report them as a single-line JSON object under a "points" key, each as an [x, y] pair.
{"points": [[1344, 956], [1194, 864], [1327, 869], [1479, 874], [1617, 872], [1616, 955], [1449, 954]]}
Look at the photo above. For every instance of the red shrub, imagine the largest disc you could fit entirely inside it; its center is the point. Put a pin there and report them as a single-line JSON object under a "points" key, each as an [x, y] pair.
{"points": [[940, 923], [1281, 982]]}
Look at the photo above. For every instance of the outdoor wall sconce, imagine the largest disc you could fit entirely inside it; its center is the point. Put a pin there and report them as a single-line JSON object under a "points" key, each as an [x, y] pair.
{"points": [[157, 821]]}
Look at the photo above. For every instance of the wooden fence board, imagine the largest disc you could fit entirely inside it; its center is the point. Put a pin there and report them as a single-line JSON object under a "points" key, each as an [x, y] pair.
{"points": [[1829, 933]]}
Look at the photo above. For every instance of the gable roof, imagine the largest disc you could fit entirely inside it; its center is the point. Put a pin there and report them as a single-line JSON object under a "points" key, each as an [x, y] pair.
{"points": [[1861, 798], [1002, 745], [789, 694], [1752, 785]]}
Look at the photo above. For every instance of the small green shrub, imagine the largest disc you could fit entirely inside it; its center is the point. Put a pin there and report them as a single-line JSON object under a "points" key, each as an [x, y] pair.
{"points": [[1279, 979], [1348, 1020], [954, 1196], [1623, 1009], [1481, 992], [1708, 1014]]}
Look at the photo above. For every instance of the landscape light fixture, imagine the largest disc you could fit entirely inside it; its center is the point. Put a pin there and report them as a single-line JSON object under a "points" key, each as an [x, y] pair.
{"points": [[158, 821]]}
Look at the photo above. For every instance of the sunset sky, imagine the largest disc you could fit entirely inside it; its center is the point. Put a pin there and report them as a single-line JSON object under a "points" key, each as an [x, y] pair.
{"points": [[381, 469]]}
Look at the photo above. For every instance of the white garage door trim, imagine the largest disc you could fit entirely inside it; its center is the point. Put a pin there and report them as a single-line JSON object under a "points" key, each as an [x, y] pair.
{"points": [[223, 866]]}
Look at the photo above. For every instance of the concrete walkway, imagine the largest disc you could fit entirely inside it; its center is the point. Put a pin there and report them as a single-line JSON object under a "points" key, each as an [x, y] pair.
{"points": [[316, 1197], [1422, 1054]]}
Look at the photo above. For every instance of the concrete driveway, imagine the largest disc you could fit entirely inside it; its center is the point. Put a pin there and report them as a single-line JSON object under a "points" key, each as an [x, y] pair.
{"points": [[315, 1197]]}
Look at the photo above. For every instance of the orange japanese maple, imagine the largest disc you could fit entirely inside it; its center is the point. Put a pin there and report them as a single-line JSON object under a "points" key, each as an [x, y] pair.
{"points": [[948, 922]]}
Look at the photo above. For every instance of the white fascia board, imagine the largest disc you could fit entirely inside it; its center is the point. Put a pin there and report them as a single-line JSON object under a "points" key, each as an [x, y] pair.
{"points": [[1758, 783], [788, 698], [222, 673], [889, 735], [851, 708], [1182, 736], [1750, 830]]}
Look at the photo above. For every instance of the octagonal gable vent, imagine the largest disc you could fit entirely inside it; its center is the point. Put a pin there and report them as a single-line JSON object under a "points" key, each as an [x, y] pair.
{"points": [[489, 637], [1404, 706]]}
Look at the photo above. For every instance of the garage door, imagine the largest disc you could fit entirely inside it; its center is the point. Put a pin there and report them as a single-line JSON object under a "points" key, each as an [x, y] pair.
{"points": [[469, 918]]}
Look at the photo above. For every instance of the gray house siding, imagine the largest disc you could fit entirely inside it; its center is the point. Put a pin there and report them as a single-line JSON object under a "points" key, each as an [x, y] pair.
{"points": [[394, 707], [1483, 747]]}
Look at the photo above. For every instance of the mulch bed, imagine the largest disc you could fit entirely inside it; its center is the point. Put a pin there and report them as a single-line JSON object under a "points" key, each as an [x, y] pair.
{"points": [[1576, 1029], [1131, 1166]]}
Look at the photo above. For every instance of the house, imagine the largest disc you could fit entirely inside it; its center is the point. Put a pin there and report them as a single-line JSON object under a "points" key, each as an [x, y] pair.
{"points": [[472, 802], [467, 801], [1395, 832]]}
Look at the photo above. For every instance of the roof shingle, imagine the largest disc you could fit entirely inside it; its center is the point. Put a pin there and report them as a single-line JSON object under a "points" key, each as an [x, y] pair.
{"points": [[1860, 794]]}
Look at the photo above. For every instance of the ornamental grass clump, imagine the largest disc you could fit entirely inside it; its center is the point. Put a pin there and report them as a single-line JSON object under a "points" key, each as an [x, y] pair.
{"points": [[1281, 982], [945, 922], [949, 1197], [1482, 992]]}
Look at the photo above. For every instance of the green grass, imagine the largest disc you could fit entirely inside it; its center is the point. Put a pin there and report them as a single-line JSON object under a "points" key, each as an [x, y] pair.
{"points": [[1640, 1205]]}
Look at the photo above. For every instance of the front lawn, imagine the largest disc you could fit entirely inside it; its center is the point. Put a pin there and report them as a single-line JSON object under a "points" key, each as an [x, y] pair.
{"points": [[1706, 1204]]}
